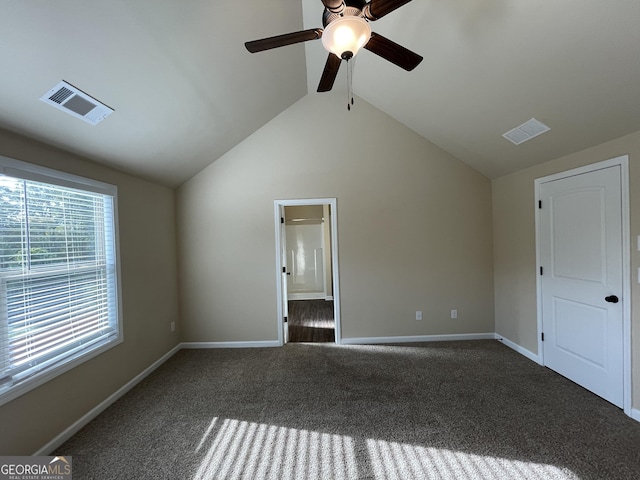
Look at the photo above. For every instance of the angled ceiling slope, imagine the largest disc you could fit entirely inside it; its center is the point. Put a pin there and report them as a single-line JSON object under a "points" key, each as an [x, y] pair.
{"points": [[489, 66], [183, 87]]}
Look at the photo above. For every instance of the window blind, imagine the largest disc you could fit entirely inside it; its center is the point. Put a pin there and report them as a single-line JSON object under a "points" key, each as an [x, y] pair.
{"points": [[58, 295]]}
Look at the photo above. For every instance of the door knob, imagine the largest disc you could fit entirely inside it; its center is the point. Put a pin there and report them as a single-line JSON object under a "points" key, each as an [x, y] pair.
{"points": [[611, 299]]}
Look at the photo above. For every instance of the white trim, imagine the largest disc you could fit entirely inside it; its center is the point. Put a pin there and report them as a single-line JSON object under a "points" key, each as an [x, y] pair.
{"points": [[536, 187], [333, 203], [102, 406], [256, 344], [623, 162], [278, 214], [626, 286], [521, 350], [282, 265], [418, 338], [329, 298], [38, 173], [325, 229], [635, 414]]}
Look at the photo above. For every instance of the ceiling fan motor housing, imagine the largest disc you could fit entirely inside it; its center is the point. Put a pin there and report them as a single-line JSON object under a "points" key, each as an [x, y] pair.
{"points": [[349, 11]]}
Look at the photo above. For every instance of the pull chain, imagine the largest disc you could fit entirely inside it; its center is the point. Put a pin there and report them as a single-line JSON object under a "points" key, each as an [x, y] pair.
{"points": [[349, 84], [348, 56]]}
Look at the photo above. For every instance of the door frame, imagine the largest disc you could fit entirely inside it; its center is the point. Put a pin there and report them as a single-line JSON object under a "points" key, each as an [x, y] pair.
{"points": [[278, 209], [623, 162]]}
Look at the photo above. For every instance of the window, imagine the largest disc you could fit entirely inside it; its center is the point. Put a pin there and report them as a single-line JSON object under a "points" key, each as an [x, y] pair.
{"points": [[58, 274]]}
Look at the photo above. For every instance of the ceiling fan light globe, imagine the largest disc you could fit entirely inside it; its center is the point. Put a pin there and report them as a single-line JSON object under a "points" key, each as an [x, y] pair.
{"points": [[346, 34]]}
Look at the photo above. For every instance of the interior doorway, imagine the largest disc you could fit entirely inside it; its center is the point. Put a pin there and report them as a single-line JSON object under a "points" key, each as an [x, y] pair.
{"points": [[307, 268]]}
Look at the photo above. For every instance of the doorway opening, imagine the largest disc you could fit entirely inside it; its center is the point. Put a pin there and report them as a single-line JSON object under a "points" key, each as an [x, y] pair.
{"points": [[307, 268]]}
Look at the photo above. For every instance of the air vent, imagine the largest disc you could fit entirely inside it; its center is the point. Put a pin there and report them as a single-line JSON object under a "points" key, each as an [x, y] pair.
{"points": [[526, 131], [74, 101]]}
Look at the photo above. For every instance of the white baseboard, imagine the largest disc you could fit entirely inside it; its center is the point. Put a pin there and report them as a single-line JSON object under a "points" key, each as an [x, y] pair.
{"points": [[635, 414], [417, 339], [521, 350], [257, 344], [102, 406]]}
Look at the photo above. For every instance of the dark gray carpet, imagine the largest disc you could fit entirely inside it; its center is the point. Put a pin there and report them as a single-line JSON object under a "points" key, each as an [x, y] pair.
{"points": [[451, 410]]}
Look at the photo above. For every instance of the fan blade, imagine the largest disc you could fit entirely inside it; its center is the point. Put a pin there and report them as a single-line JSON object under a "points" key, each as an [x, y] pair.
{"points": [[330, 73], [376, 9], [282, 40], [393, 52]]}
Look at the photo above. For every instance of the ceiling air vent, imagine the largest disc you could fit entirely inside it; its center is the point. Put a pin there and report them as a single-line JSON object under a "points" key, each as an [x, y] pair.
{"points": [[526, 131], [74, 101]]}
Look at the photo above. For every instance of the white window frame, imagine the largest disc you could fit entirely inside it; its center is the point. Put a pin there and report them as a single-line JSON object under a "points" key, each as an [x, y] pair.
{"points": [[27, 171]]}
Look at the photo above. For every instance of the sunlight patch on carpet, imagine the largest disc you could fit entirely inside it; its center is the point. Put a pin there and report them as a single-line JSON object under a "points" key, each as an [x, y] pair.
{"points": [[247, 450], [399, 461]]}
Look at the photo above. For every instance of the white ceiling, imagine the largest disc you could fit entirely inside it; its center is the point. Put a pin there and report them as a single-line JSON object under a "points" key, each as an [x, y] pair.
{"points": [[185, 90]]}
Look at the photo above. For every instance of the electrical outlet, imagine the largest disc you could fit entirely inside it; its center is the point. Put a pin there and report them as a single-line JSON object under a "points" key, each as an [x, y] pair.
{"points": [[454, 313], [418, 314], [173, 326]]}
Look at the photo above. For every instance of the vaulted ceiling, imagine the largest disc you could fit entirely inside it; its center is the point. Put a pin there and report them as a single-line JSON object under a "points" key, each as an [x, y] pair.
{"points": [[185, 90]]}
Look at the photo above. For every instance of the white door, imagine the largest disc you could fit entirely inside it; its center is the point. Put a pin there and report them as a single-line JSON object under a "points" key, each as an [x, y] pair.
{"points": [[581, 282]]}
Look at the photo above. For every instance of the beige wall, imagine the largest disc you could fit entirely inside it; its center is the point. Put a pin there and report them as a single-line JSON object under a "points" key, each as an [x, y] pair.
{"points": [[514, 244], [149, 296], [414, 227]]}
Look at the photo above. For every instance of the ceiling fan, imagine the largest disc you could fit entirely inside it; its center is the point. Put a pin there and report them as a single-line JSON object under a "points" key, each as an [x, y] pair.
{"points": [[346, 30]]}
